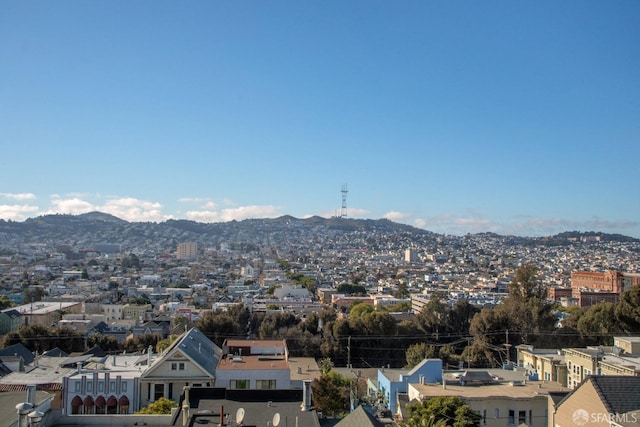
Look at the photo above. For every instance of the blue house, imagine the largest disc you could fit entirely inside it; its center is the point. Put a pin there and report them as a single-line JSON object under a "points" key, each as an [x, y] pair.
{"points": [[392, 382]]}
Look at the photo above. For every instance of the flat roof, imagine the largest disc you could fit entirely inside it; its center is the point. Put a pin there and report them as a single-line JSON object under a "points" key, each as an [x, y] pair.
{"points": [[254, 343], [307, 366], [531, 389], [253, 363], [41, 307]]}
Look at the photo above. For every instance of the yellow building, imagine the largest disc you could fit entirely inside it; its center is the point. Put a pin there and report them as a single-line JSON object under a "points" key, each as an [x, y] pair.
{"points": [[582, 362], [547, 364]]}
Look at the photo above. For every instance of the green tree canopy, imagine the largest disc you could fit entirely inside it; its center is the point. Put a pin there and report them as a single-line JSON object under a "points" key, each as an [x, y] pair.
{"points": [[451, 410], [330, 394], [159, 407]]}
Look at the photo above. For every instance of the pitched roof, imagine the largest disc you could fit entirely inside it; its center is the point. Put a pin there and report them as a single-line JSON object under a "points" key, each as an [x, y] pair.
{"points": [[20, 350], [201, 350], [359, 418], [55, 352], [196, 346], [620, 394], [12, 313]]}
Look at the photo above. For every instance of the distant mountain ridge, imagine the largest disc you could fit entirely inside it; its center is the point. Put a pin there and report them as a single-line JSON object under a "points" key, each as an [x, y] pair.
{"points": [[101, 227]]}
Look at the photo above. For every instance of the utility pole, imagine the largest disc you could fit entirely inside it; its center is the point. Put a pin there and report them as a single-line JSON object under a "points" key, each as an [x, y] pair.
{"points": [[349, 352], [507, 345]]}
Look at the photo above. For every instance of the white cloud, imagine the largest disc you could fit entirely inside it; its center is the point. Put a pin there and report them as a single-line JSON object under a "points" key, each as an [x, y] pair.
{"points": [[239, 213], [192, 200], [420, 223], [457, 224], [396, 216], [132, 209], [19, 196], [18, 212], [72, 206]]}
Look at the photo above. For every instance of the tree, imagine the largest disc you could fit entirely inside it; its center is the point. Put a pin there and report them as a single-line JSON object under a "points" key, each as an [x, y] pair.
{"points": [[526, 284], [628, 310], [346, 288], [434, 317], [34, 294], [141, 343], [5, 302], [330, 394], [451, 410], [599, 322], [360, 309], [159, 407], [416, 353], [105, 342], [218, 325], [165, 343], [39, 338]]}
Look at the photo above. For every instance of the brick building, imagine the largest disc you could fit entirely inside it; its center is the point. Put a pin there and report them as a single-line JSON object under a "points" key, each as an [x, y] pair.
{"points": [[590, 287]]}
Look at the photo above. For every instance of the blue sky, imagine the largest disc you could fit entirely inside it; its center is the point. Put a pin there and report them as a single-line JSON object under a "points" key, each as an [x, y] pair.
{"points": [[454, 116]]}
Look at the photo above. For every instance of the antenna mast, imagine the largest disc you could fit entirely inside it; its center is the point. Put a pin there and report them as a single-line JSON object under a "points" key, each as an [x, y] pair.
{"points": [[343, 213]]}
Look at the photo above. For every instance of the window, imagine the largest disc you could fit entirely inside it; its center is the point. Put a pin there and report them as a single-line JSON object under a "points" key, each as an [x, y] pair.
{"points": [[177, 366], [496, 413], [522, 417], [77, 387], [512, 417], [101, 386], [239, 384], [112, 386], [265, 384], [124, 387], [89, 387], [158, 391]]}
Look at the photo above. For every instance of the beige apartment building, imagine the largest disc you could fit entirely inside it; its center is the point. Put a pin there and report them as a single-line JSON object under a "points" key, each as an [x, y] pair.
{"points": [[500, 402], [547, 364], [581, 363], [187, 251]]}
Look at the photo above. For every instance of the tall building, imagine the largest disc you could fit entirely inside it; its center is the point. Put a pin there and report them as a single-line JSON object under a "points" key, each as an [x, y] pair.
{"points": [[187, 251]]}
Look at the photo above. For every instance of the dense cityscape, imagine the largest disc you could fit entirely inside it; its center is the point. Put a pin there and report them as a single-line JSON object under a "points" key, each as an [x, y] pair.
{"points": [[350, 315]]}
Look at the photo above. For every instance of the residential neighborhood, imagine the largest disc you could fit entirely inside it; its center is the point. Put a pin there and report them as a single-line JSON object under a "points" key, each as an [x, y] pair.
{"points": [[244, 325]]}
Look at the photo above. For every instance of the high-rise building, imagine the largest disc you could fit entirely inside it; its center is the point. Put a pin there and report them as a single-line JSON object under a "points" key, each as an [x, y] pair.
{"points": [[187, 251]]}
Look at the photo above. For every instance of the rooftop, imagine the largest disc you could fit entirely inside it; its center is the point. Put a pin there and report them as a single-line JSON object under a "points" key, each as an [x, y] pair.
{"points": [[513, 390], [253, 363]]}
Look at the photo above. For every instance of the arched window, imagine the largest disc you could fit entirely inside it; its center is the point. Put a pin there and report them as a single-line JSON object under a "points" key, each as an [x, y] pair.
{"points": [[101, 405], [112, 405], [123, 405], [76, 405], [89, 405]]}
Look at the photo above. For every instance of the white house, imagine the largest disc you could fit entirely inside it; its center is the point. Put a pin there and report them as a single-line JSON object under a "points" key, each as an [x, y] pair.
{"points": [[191, 360]]}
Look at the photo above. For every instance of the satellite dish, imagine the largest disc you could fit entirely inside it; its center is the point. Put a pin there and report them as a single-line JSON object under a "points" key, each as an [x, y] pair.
{"points": [[276, 420], [239, 415]]}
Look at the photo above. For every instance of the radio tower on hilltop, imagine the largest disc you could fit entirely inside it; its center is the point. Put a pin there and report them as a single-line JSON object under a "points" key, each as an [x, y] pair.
{"points": [[343, 213]]}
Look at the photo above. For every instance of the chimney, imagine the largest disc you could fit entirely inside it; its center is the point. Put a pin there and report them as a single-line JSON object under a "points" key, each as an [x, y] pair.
{"points": [[31, 394], [79, 365], [306, 395], [23, 409], [149, 353]]}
